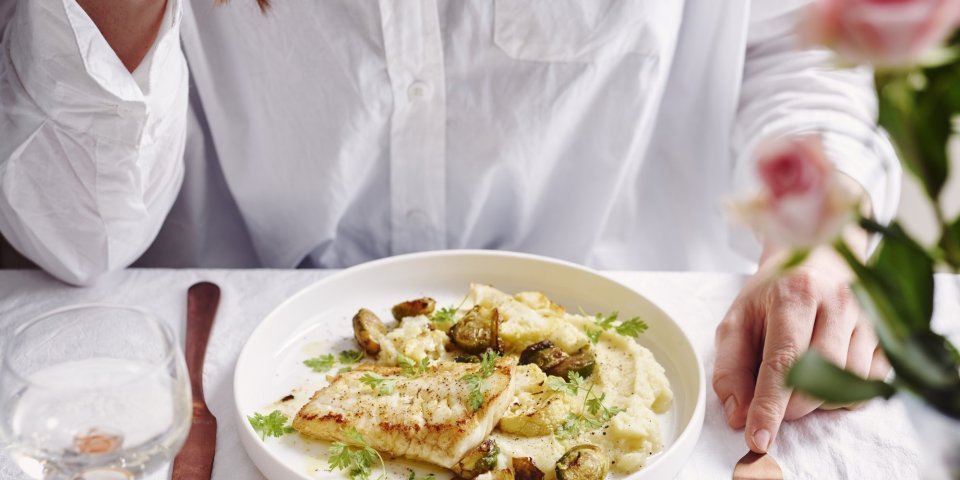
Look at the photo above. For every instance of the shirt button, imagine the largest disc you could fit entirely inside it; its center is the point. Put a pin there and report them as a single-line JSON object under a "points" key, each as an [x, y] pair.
{"points": [[418, 91], [417, 219], [126, 111]]}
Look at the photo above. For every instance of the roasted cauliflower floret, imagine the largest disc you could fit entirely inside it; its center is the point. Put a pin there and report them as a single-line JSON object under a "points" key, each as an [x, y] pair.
{"points": [[535, 410]]}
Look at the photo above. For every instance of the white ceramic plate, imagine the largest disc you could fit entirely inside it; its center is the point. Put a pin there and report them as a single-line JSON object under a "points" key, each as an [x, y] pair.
{"points": [[317, 320]]}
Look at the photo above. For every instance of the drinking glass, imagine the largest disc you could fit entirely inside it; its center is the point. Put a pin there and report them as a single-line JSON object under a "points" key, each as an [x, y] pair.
{"points": [[93, 392]]}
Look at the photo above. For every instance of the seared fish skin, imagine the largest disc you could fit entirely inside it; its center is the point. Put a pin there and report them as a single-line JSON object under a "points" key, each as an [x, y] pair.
{"points": [[426, 418]]}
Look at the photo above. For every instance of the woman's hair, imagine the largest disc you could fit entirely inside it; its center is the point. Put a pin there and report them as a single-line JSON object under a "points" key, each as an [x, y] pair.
{"points": [[263, 4]]}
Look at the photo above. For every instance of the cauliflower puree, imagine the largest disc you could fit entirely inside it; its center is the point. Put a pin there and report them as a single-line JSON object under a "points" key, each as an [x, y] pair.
{"points": [[626, 375]]}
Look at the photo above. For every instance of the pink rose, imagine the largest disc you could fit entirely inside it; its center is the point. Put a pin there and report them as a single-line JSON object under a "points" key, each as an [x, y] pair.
{"points": [[801, 203], [886, 33]]}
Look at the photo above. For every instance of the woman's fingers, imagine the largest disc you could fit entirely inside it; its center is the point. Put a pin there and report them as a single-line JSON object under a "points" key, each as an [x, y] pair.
{"points": [[733, 373], [832, 337], [789, 327], [880, 367], [863, 344]]}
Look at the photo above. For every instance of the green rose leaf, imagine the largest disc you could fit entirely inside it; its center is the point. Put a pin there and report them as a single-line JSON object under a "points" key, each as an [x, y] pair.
{"points": [[950, 243], [815, 376], [916, 109], [906, 272], [897, 294]]}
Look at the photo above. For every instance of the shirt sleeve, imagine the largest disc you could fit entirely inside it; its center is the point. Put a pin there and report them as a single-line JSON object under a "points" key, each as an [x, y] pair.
{"points": [[788, 89], [92, 155]]}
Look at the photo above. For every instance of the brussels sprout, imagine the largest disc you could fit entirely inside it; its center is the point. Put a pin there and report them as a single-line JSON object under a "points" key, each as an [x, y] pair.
{"points": [[369, 331], [554, 361], [582, 362], [525, 469], [480, 460], [477, 331], [583, 462], [542, 354], [412, 308]]}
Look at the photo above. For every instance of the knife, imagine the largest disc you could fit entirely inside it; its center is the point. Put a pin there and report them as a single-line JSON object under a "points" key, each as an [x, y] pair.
{"points": [[195, 460], [757, 466]]}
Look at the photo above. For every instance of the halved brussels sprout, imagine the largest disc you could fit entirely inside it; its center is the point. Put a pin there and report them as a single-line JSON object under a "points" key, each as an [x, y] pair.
{"points": [[525, 469], [554, 361], [582, 362], [543, 354], [412, 308], [369, 331], [477, 331], [480, 460], [583, 462]]}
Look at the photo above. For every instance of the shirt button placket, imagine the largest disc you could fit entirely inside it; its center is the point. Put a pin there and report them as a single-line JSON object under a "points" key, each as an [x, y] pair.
{"points": [[414, 53]]}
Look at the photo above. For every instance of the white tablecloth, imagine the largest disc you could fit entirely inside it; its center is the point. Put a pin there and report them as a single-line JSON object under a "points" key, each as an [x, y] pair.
{"points": [[876, 442]]}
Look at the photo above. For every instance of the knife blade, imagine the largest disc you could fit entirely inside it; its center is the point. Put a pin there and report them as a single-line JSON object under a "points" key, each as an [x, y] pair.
{"points": [[195, 460]]}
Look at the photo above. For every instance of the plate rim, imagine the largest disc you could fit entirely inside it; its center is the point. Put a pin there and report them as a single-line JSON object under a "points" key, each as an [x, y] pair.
{"points": [[693, 428]]}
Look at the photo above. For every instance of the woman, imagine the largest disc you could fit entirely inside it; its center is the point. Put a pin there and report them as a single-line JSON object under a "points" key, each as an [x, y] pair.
{"points": [[328, 133]]}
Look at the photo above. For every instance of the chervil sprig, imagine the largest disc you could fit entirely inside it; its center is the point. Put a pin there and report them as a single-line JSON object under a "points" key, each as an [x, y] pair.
{"points": [[632, 327], [599, 414], [601, 411], [349, 357], [571, 386], [606, 322], [273, 424], [488, 361], [569, 428], [409, 368], [446, 315], [475, 380], [629, 328], [594, 335], [381, 385], [355, 456], [320, 363]]}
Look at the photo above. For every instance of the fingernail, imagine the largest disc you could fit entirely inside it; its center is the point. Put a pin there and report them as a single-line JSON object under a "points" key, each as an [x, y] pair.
{"points": [[761, 438], [730, 406]]}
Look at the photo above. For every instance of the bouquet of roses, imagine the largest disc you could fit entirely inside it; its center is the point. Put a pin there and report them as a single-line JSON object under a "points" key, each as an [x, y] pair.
{"points": [[914, 47]]}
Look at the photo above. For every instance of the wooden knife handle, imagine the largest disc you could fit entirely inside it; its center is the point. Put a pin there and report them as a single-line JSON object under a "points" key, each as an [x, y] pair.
{"points": [[202, 301]]}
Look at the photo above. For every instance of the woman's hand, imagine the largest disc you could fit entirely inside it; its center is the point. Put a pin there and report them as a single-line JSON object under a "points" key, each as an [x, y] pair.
{"points": [[776, 317]]}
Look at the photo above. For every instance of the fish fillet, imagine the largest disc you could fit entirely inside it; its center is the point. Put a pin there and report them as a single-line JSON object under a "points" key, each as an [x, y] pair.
{"points": [[427, 418]]}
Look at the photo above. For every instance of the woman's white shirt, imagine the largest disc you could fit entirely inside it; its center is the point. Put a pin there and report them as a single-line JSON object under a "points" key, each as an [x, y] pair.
{"points": [[330, 133]]}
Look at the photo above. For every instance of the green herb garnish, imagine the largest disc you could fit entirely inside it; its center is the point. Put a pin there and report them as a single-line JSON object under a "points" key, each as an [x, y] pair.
{"points": [[606, 322], [273, 424], [409, 368], [475, 380], [601, 411], [349, 357], [628, 328], [445, 316], [569, 428], [381, 385], [599, 414], [570, 386], [320, 363], [355, 456], [632, 327]]}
